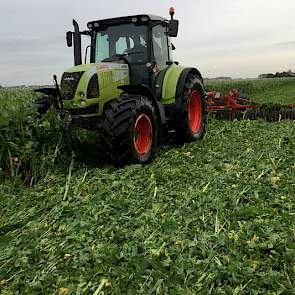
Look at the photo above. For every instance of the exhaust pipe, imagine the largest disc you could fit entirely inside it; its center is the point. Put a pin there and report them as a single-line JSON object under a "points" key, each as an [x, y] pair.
{"points": [[77, 44]]}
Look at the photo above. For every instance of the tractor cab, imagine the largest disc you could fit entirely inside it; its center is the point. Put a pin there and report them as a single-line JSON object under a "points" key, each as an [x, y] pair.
{"points": [[141, 41]]}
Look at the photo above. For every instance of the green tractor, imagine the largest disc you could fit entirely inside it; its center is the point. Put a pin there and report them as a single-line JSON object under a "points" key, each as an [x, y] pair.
{"points": [[131, 91]]}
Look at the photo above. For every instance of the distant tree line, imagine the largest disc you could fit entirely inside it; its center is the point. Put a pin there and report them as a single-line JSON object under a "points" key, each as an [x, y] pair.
{"points": [[219, 78], [287, 74]]}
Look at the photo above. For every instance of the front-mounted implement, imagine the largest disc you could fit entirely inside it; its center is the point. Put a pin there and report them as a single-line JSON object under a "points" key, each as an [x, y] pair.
{"points": [[132, 90]]}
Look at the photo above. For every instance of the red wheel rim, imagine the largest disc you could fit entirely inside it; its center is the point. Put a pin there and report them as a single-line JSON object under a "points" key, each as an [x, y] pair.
{"points": [[195, 112], [143, 135]]}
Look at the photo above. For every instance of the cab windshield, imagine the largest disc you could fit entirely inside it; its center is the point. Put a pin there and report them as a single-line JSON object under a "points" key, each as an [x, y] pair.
{"points": [[129, 40]]}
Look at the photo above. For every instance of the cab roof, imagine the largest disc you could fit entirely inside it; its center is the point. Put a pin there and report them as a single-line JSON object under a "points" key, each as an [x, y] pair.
{"points": [[126, 19]]}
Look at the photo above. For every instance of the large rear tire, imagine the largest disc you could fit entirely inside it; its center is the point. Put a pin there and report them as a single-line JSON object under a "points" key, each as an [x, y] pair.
{"points": [[129, 130], [191, 116]]}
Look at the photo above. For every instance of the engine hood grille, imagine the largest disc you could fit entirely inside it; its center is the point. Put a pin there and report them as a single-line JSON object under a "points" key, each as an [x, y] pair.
{"points": [[69, 84]]}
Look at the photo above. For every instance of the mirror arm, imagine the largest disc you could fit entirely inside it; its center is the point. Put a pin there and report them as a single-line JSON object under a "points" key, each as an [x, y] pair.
{"points": [[87, 33], [160, 23]]}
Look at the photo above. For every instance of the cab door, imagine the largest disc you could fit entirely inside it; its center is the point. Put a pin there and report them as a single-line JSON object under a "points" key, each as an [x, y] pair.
{"points": [[161, 47]]}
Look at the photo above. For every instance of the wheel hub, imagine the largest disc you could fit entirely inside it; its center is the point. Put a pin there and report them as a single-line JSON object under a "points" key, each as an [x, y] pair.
{"points": [[143, 135], [195, 112]]}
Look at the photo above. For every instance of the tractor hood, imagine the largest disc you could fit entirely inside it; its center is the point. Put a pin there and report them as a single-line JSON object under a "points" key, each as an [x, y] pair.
{"points": [[92, 84], [80, 68]]}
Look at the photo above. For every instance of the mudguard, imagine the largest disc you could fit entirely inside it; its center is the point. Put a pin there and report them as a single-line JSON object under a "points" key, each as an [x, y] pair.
{"points": [[141, 89], [173, 82]]}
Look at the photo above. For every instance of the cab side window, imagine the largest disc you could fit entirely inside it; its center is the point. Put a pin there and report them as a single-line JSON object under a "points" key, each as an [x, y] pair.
{"points": [[121, 45], [160, 46]]}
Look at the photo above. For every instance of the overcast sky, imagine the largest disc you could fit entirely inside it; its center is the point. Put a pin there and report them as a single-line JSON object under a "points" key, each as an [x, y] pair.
{"points": [[238, 38]]}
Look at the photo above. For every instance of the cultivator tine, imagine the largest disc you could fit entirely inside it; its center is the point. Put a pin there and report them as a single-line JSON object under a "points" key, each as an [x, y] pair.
{"points": [[255, 114], [289, 114], [273, 116]]}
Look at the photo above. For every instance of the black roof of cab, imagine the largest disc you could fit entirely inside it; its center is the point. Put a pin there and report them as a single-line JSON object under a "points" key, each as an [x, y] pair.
{"points": [[142, 18]]}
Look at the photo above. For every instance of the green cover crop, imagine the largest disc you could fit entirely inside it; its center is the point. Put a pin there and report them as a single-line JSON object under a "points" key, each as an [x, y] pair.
{"points": [[213, 217]]}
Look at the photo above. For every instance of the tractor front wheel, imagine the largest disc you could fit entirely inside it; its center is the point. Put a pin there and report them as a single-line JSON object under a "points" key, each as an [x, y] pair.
{"points": [[129, 130]]}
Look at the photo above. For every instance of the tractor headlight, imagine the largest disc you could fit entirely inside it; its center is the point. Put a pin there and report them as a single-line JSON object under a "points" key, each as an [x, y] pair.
{"points": [[82, 94], [82, 103]]}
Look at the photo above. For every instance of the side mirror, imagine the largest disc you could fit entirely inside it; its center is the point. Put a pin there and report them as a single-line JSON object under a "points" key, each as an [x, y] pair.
{"points": [[172, 46], [173, 28], [69, 39]]}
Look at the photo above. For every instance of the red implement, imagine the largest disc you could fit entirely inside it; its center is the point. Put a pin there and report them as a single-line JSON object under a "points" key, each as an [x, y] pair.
{"points": [[233, 101], [235, 105]]}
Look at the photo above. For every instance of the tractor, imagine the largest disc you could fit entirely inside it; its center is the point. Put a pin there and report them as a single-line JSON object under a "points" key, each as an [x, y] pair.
{"points": [[131, 92]]}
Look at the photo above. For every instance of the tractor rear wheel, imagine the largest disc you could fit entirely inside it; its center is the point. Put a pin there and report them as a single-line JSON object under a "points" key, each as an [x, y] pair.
{"points": [[191, 116], [129, 130]]}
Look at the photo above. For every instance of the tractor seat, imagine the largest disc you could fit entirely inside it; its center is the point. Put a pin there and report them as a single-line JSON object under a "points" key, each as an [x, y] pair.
{"points": [[136, 54]]}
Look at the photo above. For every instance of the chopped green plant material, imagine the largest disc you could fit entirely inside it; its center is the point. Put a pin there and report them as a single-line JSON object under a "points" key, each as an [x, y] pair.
{"points": [[216, 216]]}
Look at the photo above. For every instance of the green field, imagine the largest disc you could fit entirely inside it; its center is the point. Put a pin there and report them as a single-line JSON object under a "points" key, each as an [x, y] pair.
{"points": [[213, 217], [263, 91]]}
